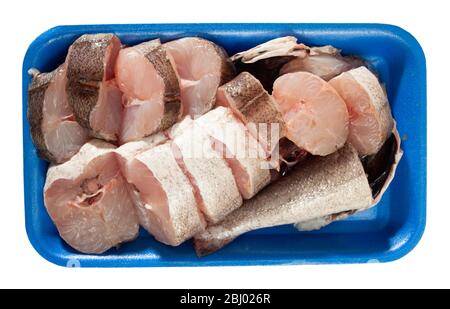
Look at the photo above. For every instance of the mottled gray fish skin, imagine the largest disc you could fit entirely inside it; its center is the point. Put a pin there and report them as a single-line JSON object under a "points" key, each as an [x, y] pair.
{"points": [[160, 60], [83, 97], [86, 57], [248, 97], [336, 182], [36, 95]]}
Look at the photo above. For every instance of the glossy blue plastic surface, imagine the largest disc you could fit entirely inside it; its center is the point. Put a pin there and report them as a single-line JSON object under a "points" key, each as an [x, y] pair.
{"points": [[384, 233]]}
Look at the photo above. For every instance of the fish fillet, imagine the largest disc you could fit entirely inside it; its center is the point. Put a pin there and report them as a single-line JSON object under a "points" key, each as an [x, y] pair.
{"points": [[170, 211]]}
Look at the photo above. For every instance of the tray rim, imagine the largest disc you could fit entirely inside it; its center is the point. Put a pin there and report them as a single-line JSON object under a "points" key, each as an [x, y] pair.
{"points": [[388, 256]]}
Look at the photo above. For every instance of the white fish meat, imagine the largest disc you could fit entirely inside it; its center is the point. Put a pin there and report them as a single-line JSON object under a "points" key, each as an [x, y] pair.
{"points": [[87, 199]]}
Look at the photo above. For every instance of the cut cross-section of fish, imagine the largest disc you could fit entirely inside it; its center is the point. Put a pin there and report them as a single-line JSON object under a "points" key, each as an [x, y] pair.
{"points": [[55, 133], [245, 156], [254, 107], [202, 67], [334, 183], [371, 121], [91, 89], [316, 116], [212, 179], [169, 211], [146, 75], [88, 200]]}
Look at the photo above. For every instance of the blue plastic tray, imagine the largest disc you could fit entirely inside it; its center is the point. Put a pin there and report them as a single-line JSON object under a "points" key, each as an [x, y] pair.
{"points": [[384, 233]]}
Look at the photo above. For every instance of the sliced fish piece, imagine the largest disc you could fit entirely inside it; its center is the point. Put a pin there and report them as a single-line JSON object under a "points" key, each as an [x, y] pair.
{"points": [[316, 116], [245, 156], [254, 107], [91, 90], [87, 199], [371, 121], [336, 182], [214, 186], [55, 133], [127, 152], [170, 210], [146, 75], [202, 67]]}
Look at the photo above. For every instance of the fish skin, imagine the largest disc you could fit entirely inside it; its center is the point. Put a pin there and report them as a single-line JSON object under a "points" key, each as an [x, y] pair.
{"points": [[335, 182], [247, 97], [83, 97], [163, 64], [85, 59], [36, 95]]}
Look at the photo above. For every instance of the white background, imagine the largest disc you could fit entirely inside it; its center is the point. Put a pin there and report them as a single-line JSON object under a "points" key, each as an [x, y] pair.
{"points": [[426, 266]]}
